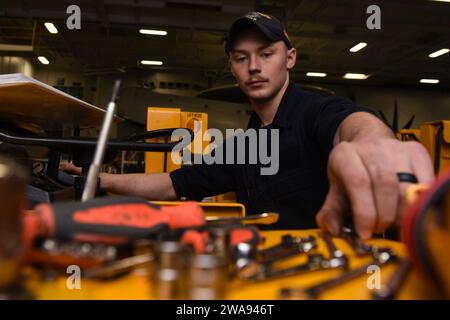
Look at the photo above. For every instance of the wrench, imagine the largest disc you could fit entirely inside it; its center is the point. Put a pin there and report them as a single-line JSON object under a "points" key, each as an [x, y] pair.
{"points": [[393, 285], [286, 241], [261, 272], [313, 292], [114, 268], [364, 249], [315, 262], [337, 257], [289, 247]]}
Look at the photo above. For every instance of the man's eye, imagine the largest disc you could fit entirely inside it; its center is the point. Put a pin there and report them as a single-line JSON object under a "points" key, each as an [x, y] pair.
{"points": [[267, 54], [239, 59]]}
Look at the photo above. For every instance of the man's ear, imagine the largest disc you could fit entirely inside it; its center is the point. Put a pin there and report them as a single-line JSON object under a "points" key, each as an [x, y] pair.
{"points": [[291, 58]]}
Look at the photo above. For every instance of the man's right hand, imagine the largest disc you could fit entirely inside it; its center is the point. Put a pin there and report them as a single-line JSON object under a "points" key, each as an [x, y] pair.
{"points": [[69, 167]]}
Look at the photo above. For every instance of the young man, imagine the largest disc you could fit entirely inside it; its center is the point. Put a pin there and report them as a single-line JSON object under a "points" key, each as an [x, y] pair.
{"points": [[333, 158]]}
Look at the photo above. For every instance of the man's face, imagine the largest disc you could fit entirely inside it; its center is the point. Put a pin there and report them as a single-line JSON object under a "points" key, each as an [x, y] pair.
{"points": [[260, 66]]}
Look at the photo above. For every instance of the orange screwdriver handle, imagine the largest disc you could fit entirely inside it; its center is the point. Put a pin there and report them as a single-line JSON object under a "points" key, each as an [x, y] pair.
{"points": [[120, 217]]}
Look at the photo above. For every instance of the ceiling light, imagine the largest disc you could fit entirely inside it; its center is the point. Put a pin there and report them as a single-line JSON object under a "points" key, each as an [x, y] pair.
{"points": [[357, 76], [358, 47], [316, 74], [43, 60], [429, 81], [51, 27], [438, 53], [152, 62], [153, 32]]}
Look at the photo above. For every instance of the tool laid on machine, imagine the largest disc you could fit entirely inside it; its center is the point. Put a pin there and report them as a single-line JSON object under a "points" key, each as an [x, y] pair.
{"points": [[263, 218], [170, 269], [260, 268], [336, 259], [109, 220], [289, 245], [380, 256], [314, 262], [314, 291], [359, 246], [267, 272], [58, 254], [207, 277], [389, 290], [118, 267]]}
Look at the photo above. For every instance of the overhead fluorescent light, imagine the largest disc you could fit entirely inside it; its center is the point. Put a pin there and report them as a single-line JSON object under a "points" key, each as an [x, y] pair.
{"points": [[358, 47], [43, 60], [438, 53], [153, 32], [357, 76], [430, 81], [51, 27], [441, 0], [151, 62], [316, 74]]}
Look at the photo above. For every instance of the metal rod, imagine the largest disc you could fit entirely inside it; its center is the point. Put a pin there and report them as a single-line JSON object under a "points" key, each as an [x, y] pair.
{"points": [[94, 170]]}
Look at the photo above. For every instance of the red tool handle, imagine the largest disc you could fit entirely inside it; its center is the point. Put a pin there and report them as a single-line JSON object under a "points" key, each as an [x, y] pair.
{"points": [[109, 218]]}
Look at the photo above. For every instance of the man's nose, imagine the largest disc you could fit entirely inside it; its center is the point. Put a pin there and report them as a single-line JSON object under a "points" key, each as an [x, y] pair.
{"points": [[254, 65]]}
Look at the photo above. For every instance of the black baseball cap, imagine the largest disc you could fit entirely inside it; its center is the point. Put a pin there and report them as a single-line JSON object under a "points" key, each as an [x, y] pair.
{"points": [[270, 26]]}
